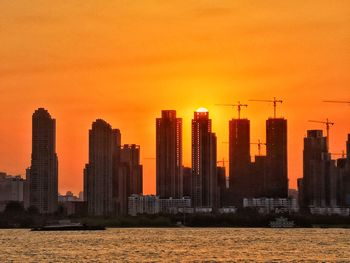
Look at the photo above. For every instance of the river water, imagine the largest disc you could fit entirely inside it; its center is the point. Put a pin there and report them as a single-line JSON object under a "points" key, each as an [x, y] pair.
{"points": [[177, 244]]}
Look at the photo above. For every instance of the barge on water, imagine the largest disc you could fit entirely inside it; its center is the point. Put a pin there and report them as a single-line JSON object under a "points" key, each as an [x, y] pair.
{"points": [[68, 227]]}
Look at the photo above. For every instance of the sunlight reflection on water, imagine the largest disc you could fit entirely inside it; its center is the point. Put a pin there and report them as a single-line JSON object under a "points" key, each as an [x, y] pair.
{"points": [[187, 244]]}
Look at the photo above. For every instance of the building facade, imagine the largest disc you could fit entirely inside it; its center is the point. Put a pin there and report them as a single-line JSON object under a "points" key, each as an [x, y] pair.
{"points": [[169, 179], [101, 174], [272, 205], [43, 179], [239, 159], [320, 175], [276, 158], [143, 204], [204, 174], [130, 156], [11, 189]]}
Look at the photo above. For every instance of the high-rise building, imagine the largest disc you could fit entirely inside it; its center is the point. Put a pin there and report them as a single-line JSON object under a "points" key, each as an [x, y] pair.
{"points": [[320, 174], [169, 155], [276, 158], [187, 181], [343, 165], [239, 158], [101, 173], [258, 174], [130, 156], [348, 151], [222, 190], [43, 185], [204, 175]]}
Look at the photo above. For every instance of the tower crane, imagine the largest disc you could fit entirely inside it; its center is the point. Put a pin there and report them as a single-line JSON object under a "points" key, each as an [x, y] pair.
{"points": [[274, 102], [239, 106], [259, 143], [328, 125], [223, 161]]}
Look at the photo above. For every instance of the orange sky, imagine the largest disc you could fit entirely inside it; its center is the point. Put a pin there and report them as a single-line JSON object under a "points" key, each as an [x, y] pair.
{"points": [[125, 61]]}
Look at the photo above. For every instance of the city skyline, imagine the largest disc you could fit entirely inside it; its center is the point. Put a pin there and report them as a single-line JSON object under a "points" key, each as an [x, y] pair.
{"points": [[125, 62], [253, 150]]}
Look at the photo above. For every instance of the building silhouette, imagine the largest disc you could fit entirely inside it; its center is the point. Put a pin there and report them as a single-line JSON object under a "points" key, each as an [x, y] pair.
{"points": [[43, 173], [258, 177], [222, 189], [319, 184], [101, 174], [348, 151], [343, 182], [345, 193], [12, 188], [276, 158], [204, 174], [239, 159], [130, 156], [187, 181], [169, 155]]}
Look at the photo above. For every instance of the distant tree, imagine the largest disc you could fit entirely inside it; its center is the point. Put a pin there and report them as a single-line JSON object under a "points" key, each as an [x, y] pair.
{"points": [[60, 210], [32, 210], [14, 207]]}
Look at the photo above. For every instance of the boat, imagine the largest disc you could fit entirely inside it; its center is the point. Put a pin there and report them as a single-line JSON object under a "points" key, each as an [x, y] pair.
{"points": [[281, 222], [68, 227]]}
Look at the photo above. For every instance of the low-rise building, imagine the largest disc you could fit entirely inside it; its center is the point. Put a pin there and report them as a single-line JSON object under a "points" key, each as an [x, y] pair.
{"points": [[143, 204], [172, 205], [272, 205], [227, 210], [330, 211], [11, 189], [151, 204]]}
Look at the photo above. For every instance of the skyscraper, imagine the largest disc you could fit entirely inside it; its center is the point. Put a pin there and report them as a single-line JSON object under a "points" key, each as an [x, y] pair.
{"points": [[319, 172], [204, 181], [345, 179], [222, 190], [276, 157], [130, 156], [169, 155], [187, 181], [43, 184], [258, 177], [348, 151], [101, 173], [239, 158]]}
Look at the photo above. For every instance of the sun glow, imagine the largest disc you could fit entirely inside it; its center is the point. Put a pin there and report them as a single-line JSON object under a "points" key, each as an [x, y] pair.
{"points": [[201, 109]]}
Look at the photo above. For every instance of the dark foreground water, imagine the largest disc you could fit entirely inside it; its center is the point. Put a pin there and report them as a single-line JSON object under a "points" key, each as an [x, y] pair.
{"points": [[174, 245]]}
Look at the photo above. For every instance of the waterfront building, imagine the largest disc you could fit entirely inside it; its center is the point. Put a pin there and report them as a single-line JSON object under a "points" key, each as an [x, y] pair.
{"points": [[272, 205], [187, 181], [143, 204], [320, 174], [101, 174], [276, 158], [340, 211], [43, 179], [204, 174], [239, 159], [169, 181], [172, 205], [130, 155], [11, 189]]}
